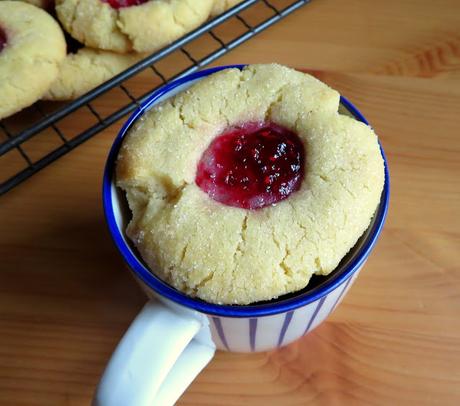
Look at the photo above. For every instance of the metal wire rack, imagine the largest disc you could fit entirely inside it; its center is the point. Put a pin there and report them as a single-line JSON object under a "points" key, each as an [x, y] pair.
{"points": [[39, 135]]}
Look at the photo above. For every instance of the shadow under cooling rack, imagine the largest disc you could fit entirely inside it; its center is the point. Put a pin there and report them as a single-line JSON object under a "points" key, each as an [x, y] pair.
{"points": [[42, 133]]}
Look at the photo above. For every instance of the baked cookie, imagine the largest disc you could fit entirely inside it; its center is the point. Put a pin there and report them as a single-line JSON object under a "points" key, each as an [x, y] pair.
{"points": [[220, 6], [45, 4], [33, 47], [131, 25], [88, 68], [248, 183]]}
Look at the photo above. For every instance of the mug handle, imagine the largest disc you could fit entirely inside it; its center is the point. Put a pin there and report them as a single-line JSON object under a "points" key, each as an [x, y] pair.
{"points": [[156, 360]]}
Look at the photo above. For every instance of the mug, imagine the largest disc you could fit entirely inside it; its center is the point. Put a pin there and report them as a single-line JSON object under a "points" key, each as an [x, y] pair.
{"points": [[175, 336]]}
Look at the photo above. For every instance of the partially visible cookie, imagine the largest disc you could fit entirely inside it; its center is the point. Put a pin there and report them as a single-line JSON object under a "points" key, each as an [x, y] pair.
{"points": [[45, 4], [221, 6], [33, 47], [131, 25], [88, 68]]}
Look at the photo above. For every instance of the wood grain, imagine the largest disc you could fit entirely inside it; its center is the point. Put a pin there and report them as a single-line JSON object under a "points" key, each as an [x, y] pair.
{"points": [[65, 298]]}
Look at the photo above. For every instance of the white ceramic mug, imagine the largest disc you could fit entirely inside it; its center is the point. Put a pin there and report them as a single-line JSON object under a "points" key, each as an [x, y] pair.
{"points": [[175, 336]]}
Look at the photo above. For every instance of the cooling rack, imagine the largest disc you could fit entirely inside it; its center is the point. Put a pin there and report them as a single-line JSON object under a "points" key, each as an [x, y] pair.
{"points": [[44, 132]]}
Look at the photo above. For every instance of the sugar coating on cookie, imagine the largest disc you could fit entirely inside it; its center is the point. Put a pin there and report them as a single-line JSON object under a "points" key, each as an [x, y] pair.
{"points": [[45, 4], [230, 255], [220, 6], [81, 72], [143, 27], [29, 60]]}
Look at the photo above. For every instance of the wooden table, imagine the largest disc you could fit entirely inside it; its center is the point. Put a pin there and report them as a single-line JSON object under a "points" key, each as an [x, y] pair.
{"points": [[65, 298]]}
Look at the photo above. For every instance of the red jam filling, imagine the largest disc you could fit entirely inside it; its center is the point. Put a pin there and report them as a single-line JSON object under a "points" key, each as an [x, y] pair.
{"points": [[116, 4], [3, 39], [252, 166]]}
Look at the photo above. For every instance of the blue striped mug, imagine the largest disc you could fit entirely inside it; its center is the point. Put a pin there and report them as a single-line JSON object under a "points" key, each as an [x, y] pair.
{"points": [[175, 336]]}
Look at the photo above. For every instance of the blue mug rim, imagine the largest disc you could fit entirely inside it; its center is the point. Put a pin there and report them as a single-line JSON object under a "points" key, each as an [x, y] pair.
{"points": [[276, 306]]}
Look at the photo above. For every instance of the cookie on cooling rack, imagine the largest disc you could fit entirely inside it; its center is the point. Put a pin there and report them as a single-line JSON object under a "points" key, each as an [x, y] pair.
{"points": [[220, 6], [31, 47], [86, 69], [131, 25], [248, 183]]}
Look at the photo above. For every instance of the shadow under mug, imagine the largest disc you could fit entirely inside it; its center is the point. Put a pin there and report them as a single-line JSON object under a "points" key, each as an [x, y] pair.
{"points": [[175, 336]]}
